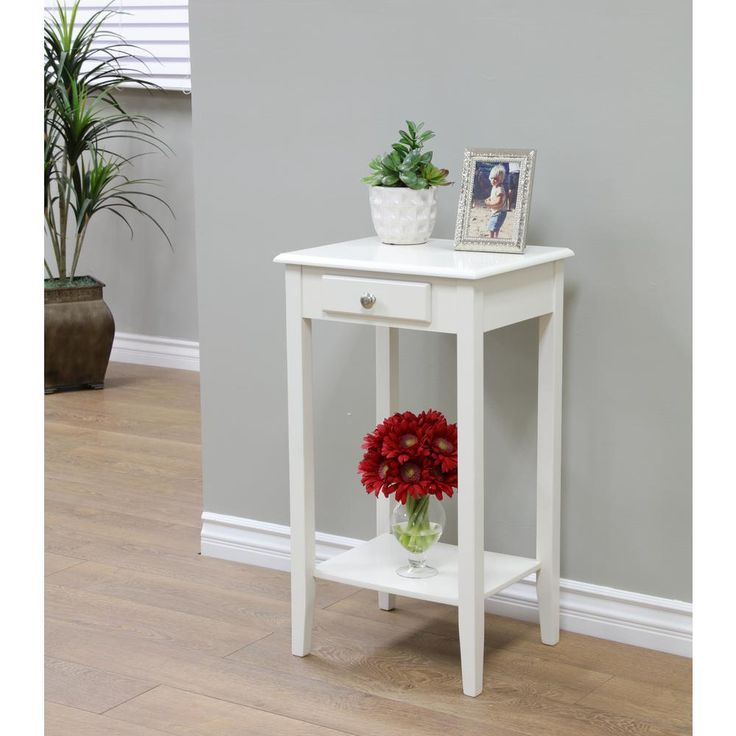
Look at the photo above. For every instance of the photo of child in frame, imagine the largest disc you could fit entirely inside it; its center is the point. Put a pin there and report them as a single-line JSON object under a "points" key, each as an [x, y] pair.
{"points": [[493, 210]]}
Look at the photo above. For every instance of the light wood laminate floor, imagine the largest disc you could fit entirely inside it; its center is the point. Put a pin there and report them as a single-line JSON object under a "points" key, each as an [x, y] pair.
{"points": [[144, 637]]}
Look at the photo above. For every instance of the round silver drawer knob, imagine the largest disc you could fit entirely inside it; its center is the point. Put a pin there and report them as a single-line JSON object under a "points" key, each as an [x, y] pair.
{"points": [[367, 300]]}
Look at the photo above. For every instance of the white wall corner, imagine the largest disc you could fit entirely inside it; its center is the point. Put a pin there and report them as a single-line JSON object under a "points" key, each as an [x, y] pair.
{"points": [[606, 613], [163, 352]]}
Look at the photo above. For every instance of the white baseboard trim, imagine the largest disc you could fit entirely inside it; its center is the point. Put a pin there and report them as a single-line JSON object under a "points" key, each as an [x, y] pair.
{"points": [[595, 610], [164, 352], [606, 613], [260, 542]]}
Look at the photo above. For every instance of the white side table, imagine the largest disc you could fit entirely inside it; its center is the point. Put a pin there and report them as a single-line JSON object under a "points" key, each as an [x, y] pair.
{"points": [[428, 287]]}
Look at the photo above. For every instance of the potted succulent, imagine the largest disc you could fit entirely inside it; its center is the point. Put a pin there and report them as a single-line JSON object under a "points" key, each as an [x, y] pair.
{"points": [[85, 66], [403, 193]]}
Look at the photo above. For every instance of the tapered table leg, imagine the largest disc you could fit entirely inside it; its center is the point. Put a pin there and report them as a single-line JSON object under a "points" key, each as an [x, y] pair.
{"points": [[548, 464], [301, 463], [387, 400], [470, 486]]}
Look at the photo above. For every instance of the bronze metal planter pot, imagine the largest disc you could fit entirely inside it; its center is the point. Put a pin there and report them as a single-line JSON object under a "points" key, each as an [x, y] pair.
{"points": [[79, 330]]}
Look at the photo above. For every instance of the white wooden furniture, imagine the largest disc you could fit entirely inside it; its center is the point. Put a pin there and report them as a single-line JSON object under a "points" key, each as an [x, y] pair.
{"points": [[435, 288]]}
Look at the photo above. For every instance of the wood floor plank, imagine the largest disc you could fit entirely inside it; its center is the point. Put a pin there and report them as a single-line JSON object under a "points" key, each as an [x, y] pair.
{"points": [[89, 688], [123, 417], [251, 606], [148, 622], [612, 658], [257, 685], [520, 693], [63, 543], [418, 661], [83, 453], [186, 578], [663, 706], [125, 470], [56, 563], [88, 522], [61, 720], [166, 387], [65, 439], [162, 505], [188, 714]]}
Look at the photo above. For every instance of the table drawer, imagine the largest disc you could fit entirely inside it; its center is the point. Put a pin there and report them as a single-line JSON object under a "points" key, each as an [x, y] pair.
{"points": [[376, 297]]}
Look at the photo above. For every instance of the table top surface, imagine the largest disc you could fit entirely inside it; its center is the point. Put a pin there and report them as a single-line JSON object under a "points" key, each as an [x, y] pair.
{"points": [[435, 258]]}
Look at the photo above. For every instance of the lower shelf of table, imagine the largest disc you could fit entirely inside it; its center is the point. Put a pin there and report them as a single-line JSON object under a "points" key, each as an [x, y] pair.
{"points": [[373, 565]]}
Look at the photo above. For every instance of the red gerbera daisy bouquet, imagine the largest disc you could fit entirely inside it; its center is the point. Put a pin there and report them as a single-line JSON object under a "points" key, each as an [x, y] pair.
{"points": [[412, 457]]}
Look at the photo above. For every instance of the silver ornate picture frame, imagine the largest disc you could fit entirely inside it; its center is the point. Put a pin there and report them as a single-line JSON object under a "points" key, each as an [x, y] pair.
{"points": [[493, 211]]}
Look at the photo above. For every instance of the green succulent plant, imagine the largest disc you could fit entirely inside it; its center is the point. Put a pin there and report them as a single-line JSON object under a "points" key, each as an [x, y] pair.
{"points": [[407, 165]]}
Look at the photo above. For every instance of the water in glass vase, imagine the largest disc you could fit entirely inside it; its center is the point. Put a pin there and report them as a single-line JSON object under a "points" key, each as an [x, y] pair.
{"points": [[417, 525], [417, 540]]}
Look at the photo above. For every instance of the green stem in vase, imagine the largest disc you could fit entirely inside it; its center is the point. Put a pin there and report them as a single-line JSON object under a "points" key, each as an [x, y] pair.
{"points": [[405, 537], [415, 539]]}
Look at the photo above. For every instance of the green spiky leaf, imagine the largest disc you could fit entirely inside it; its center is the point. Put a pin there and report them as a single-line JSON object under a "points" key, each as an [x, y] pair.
{"points": [[85, 65]]}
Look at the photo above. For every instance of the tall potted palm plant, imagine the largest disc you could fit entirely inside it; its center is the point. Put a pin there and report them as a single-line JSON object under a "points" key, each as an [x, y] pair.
{"points": [[85, 67]]}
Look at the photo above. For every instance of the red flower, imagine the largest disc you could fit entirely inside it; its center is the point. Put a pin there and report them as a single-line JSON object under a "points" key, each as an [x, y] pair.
{"points": [[444, 447], [409, 455], [401, 437]]}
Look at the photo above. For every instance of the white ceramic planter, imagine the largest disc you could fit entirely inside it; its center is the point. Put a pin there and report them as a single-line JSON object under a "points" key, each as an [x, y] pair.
{"points": [[403, 216]]}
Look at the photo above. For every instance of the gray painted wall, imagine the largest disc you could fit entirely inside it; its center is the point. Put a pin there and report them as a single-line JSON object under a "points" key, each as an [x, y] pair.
{"points": [[291, 101], [151, 289]]}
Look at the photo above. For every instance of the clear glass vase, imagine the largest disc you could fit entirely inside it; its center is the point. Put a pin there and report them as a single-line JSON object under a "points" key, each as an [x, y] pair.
{"points": [[417, 525]]}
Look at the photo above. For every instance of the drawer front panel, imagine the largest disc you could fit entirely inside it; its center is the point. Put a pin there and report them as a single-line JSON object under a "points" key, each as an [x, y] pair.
{"points": [[411, 300]]}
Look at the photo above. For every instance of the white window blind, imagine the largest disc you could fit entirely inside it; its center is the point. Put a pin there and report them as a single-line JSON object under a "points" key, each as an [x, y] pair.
{"points": [[161, 27]]}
